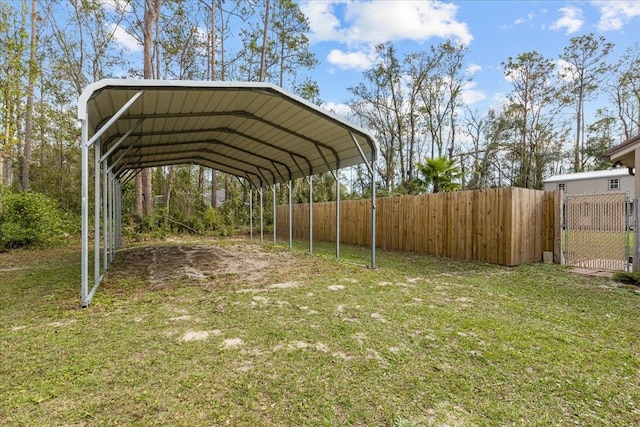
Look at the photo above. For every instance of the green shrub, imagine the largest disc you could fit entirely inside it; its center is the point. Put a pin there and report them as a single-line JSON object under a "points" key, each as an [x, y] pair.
{"points": [[212, 219], [29, 220]]}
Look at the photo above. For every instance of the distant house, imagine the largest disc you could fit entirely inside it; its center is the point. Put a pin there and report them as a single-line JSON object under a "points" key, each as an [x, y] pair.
{"points": [[604, 181]]}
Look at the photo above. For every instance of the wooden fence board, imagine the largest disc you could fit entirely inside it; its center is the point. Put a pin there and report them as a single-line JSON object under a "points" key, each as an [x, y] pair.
{"points": [[507, 226]]}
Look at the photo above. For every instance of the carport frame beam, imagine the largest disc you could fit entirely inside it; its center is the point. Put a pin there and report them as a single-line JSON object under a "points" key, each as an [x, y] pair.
{"points": [[85, 143]]}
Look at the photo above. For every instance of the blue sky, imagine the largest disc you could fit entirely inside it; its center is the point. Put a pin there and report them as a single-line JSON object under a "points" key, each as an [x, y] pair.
{"points": [[344, 33]]}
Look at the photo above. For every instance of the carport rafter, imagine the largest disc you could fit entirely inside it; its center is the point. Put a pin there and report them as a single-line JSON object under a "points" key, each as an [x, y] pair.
{"points": [[216, 130], [241, 114], [175, 148]]}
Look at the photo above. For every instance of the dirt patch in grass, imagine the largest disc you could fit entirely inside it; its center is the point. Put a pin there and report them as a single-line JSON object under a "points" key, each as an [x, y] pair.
{"points": [[234, 264]]}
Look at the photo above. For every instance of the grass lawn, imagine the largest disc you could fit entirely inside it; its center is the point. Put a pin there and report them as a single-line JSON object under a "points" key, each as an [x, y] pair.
{"points": [[227, 332]]}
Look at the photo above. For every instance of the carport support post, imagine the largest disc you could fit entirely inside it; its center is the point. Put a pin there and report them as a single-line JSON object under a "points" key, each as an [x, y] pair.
{"points": [[118, 214], [337, 177], [273, 190], [113, 216], [84, 261], [250, 211], [96, 219], [261, 218], [101, 166], [289, 186], [636, 213], [373, 212], [310, 180]]}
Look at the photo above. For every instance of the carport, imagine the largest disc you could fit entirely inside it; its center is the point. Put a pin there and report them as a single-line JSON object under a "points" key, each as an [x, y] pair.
{"points": [[254, 131]]}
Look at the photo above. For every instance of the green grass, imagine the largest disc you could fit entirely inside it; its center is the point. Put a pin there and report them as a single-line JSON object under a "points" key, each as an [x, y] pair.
{"points": [[418, 341]]}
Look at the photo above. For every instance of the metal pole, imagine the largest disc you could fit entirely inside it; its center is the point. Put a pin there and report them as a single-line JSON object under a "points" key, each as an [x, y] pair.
{"points": [[114, 118], [627, 211], [250, 211], [96, 220], [565, 227], [337, 177], [636, 235], [273, 190], [290, 217], [84, 256], [373, 211], [105, 211], [310, 179], [112, 222], [118, 216], [261, 217]]}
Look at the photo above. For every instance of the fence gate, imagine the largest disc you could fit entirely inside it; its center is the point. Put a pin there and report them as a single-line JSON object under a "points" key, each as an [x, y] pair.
{"points": [[597, 231]]}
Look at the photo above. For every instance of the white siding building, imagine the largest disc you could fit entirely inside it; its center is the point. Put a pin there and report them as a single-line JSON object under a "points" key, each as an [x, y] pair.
{"points": [[604, 181]]}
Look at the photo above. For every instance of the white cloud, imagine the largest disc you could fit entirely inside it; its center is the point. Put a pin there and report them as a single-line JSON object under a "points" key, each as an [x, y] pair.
{"points": [[380, 21], [470, 95], [615, 14], [571, 20], [324, 25], [519, 21], [117, 5], [341, 110], [473, 69], [125, 39], [350, 60]]}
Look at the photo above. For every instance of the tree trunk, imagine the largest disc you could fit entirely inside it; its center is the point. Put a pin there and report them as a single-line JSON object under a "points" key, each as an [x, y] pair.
{"points": [[152, 7], [169, 186], [147, 191], [138, 205], [214, 189], [28, 137], [200, 182], [212, 36], [265, 34]]}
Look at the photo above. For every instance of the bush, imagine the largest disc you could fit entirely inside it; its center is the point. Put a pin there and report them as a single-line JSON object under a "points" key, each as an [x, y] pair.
{"points": [[212, 219], [29, 220]]}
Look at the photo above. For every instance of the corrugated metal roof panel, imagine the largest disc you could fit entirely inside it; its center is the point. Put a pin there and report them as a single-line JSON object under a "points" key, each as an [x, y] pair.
{"points": [[588, 175], [253, 129]]}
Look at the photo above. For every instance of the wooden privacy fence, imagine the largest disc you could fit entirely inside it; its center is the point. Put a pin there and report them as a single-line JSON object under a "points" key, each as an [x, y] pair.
{"points": [[507, 226]]}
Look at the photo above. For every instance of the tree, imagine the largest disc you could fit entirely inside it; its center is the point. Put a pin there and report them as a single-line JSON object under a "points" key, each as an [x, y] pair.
{"points": [[585, 68], [599, 140], [625, 92], [408, 103], [182, 50], [532, 109], [14, 34], [276, 48], [378, 105], [440, 90], [82, 48], [484, 148], [33, 72], [441, 174], [289, 28]]}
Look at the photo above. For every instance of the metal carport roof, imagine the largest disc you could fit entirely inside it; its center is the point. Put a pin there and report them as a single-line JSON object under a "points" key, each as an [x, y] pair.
{"points": [[255, 131], [252, 130]]}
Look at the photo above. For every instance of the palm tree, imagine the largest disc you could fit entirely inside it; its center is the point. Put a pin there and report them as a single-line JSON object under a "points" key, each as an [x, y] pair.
{"points": [[441, 173]]}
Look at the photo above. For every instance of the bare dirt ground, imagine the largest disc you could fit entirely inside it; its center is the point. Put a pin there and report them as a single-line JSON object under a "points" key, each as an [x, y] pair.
{"points": [[205, 262]]}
